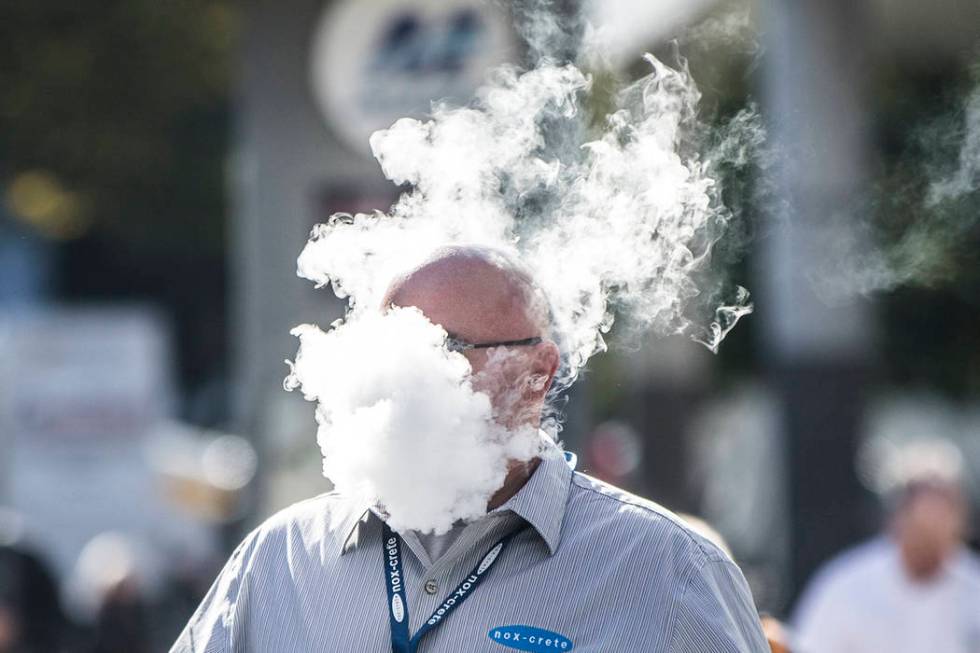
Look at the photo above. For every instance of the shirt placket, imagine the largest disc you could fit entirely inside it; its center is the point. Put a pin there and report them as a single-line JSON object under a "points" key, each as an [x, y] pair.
{"points": [[448, 572]]}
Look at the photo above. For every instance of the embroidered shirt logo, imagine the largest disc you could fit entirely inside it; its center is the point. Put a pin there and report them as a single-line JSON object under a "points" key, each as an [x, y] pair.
{"points": [[529, 638]]}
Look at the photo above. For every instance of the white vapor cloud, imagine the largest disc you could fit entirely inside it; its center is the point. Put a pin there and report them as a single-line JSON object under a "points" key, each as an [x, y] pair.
{"points": [[399, 423], [615, 216], [623, 218]]}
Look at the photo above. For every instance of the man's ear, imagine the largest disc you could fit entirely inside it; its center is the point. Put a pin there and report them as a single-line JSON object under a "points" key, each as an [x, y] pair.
{"points": [[543, 369]]}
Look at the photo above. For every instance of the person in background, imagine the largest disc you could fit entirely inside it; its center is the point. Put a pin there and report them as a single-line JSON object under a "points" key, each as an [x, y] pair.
{"points": [[915, 589], [31, 616], [776, 634], [109, 589], [122, 623]]}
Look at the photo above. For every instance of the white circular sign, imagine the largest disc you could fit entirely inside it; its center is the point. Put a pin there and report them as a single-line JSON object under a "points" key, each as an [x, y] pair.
{"points": [[375, 62]]}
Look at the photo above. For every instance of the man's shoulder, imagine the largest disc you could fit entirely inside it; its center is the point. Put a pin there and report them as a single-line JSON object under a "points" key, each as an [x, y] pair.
{"points": [[313, 521], [618, 513], [662, 565], [327, 505]]}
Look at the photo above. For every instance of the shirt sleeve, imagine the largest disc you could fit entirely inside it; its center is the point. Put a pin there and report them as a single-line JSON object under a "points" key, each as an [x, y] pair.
{"points": [[716, 613], [217, 624]]}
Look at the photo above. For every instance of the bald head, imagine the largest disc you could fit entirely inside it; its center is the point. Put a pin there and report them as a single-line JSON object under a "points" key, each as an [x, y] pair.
{"points": [[476, 294], [481, 296]]}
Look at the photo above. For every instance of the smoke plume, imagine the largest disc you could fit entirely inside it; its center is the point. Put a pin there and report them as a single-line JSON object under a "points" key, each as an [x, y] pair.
{"points": [[922, 222], [613, 216], [965, 178], [399, 423], [625, 221]]}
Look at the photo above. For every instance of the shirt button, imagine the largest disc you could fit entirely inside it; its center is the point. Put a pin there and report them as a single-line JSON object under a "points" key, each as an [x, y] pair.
{"points": [[431, 587]]}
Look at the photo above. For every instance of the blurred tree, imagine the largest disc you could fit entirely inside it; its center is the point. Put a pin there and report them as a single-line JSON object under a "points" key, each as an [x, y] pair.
{"points": [[119, 111]]}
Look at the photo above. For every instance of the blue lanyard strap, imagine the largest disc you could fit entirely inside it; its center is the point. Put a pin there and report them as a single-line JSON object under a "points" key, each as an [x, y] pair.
{"points": [[401, 642]]}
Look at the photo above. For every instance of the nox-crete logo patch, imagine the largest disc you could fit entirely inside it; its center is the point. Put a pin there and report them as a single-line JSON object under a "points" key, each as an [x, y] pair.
{"points": [[397, 608], [529, 638]]}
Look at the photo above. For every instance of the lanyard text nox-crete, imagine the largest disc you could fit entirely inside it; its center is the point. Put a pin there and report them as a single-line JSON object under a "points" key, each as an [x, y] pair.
{"points": [[401, 642]]}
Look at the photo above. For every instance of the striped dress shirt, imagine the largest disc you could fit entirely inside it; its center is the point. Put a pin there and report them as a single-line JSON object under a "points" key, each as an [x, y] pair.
{"points": [[603, 570]]}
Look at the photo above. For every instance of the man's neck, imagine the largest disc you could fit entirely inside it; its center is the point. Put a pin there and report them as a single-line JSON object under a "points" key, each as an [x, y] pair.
{"points": [[518, 474]]}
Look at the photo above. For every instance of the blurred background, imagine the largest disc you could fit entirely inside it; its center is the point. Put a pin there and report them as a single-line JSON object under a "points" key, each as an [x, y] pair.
{"points": [[162, 164]]}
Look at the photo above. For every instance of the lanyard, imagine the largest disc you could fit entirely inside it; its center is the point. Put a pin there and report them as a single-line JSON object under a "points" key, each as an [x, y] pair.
{"points": [[401, 642]]}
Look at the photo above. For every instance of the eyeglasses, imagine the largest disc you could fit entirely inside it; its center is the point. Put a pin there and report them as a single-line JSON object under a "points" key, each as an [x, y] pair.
{"points": [[455, 344]]}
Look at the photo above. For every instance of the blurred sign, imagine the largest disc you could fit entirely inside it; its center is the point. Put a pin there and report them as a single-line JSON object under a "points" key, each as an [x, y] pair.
{"points": [[375, 62], [71, 377], [80, 390]]}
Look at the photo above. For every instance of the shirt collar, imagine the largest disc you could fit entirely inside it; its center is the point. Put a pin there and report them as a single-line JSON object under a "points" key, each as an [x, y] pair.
{"points": [[350, 516], [540, 502]]}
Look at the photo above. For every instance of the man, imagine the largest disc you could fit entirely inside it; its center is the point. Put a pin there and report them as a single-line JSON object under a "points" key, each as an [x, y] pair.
{"points": [[915, 589], [560, 560]]}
